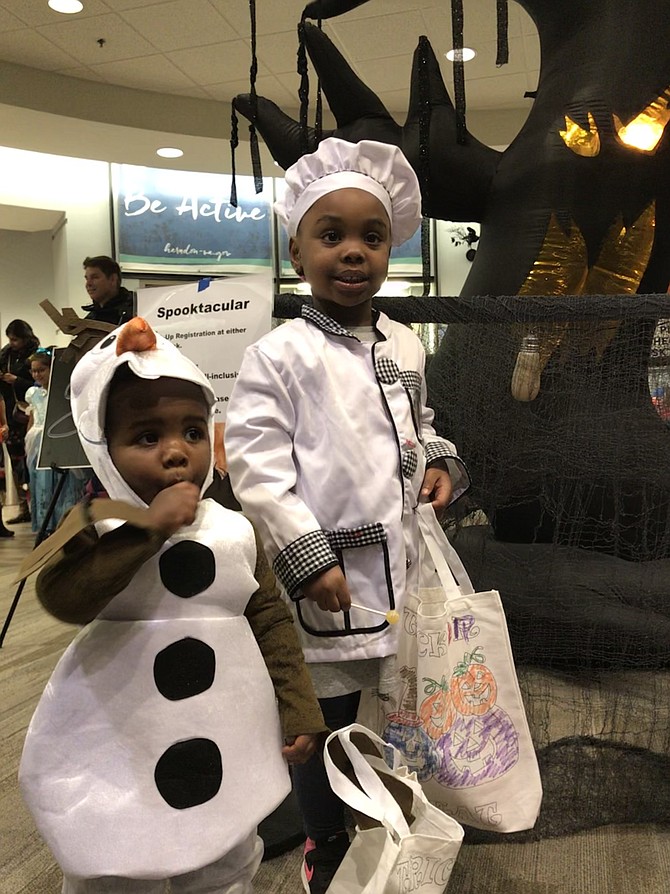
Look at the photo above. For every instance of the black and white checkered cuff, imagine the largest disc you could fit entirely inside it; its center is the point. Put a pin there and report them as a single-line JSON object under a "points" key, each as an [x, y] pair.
{"points": [[410, 379], [303, 558], [437, 450], [350, 538]]}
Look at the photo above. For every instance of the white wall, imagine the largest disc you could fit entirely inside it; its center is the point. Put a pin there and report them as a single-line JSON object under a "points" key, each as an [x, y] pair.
{"points": [[80, 189], [26, 278]]}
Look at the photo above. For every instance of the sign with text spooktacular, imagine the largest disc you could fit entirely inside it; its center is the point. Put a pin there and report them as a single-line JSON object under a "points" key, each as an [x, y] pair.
{"points": [[183, 221], [212, 322]]}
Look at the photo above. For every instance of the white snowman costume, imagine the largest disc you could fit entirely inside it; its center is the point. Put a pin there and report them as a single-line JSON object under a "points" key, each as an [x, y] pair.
{"points": [[155, 749]]}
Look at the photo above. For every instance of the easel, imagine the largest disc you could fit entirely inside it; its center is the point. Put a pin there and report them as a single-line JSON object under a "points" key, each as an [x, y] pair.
{"points": [[40, 537]]}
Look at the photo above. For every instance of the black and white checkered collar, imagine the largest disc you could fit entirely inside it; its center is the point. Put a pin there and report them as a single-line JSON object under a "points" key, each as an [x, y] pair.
{"points": [[332, 327]]}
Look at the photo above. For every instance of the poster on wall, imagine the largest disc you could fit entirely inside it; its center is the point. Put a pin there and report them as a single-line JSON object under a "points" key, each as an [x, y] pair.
{"points": [[181, 222], [212, 322]]}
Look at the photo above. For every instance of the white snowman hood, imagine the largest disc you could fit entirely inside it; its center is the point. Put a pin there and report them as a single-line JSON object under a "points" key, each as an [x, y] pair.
{"points": [[149, 356]]}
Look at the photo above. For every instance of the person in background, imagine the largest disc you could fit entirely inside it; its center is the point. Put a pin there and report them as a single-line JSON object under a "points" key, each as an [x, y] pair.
{"points": [[15, 380], [330, 446], [4, 432], [43, 482], [111, 302]]}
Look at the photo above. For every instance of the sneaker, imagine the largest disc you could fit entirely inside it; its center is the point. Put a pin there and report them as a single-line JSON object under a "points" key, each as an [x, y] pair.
{"points": [[322, 862]]}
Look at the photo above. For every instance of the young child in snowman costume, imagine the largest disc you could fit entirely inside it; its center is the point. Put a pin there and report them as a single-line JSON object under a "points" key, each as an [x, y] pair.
{"points": [[160, 741], [331, 446]]}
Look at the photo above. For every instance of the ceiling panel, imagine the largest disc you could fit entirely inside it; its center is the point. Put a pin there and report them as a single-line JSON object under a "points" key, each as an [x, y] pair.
{"points": [[200, 49], [79, 38], [180, 24], [216, 63], [148, 73], [394, 35], [30, 48]]}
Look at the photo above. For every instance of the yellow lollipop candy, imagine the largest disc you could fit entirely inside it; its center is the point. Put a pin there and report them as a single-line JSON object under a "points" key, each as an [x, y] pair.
{"points": [[392, 616]]}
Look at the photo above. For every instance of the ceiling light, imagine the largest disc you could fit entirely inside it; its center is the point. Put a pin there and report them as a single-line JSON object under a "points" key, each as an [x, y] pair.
{"points": [[66, 6], [464, 55], [169, 152]]}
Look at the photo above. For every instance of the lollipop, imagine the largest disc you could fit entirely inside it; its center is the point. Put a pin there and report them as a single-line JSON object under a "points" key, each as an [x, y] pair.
{"points": [[392, 616]]}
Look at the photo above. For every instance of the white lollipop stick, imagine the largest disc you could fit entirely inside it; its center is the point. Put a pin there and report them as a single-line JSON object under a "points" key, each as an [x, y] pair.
{"points": [[391, 616]]}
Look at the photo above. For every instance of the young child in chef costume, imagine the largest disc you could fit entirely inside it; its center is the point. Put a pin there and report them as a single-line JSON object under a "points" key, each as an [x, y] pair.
{"points": [[331, 446], [160, 741]]}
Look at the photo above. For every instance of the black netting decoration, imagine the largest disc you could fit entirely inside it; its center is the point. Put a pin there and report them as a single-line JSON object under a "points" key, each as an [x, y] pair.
{"points": [[234, 143], [502, 13], [459, 75]]}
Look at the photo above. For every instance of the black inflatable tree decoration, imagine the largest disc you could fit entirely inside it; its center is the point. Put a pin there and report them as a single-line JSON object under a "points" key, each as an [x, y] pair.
{"points": [[571, 207], [569, 459]]}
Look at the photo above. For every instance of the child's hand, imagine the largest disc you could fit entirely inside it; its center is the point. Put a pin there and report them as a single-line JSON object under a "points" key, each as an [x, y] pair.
{"points": [[174, 507], [299, 749], [436, 488], [329, 590]]}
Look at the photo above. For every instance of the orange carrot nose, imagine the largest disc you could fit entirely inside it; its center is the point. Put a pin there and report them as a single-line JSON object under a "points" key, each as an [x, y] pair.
{"points": [[137, 335]]}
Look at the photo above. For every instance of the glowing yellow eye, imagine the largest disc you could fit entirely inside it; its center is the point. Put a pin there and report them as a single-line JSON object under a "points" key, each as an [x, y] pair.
{"points": [[580, 141], [644, 132]]}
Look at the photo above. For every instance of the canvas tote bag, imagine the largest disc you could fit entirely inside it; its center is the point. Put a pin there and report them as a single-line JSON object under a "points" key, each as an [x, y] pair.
{"points": [[456, 712], [402, 842]]}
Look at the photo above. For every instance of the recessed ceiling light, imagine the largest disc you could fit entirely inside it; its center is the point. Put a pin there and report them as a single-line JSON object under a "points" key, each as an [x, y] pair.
{"points": [[66, 6], [169, 152], [464, 55]]}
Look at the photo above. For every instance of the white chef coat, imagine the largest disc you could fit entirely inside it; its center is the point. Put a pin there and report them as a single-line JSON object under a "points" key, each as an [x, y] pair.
{"points": [[327, 441]]}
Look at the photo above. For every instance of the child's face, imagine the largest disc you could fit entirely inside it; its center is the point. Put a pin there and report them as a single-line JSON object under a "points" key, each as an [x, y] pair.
{"points": [[342, 247], [40, 373], [157, 434]]}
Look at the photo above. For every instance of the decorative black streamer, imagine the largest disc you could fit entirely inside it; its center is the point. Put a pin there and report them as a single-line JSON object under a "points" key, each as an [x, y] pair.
{"points": [[425, 256], [459, 75], [253, 137], [318, 118], [303, 90], [234, 143], [424, 149], [502, 11]]}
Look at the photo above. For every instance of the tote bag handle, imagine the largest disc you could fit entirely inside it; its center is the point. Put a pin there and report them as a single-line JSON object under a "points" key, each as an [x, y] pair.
{"points": [[450, 570], [372, 798]]}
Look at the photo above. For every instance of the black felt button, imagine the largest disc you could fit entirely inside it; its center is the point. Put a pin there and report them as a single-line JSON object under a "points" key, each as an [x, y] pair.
{"points": [[189, 773], [187, 568], [184, 668]]}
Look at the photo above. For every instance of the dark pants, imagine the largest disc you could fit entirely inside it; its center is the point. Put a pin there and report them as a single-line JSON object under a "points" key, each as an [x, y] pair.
{"points": [[322, 811]]}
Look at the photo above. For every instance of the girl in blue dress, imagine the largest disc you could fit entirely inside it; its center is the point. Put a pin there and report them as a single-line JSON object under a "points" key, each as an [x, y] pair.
{"points": [[43, 482]]}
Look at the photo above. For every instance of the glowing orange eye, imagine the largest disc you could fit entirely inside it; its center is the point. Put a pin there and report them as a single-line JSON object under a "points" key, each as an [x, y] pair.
{"points": [[644, 132], [580, 141]]}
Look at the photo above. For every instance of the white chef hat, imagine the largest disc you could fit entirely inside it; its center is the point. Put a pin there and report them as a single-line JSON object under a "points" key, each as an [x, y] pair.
{"points": [[149, 356], [377, 168]]}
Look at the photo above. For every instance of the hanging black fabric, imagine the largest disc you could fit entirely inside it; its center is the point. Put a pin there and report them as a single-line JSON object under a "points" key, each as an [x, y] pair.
{"points": [[459, 74], [502, 22]]}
